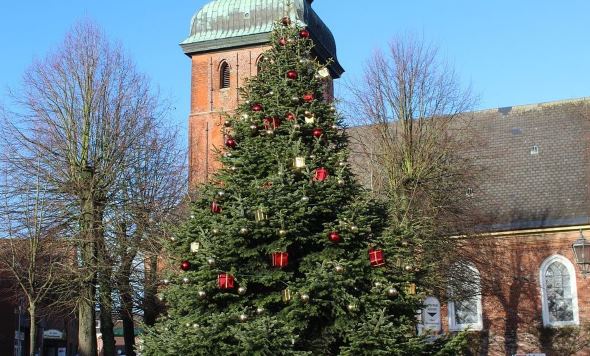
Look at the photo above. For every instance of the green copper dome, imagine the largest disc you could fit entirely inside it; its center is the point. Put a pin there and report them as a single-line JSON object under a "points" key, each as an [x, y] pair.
{"points": [[224, 24]]}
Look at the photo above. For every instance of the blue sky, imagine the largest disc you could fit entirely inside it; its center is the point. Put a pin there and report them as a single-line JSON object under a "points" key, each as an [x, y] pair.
{"points": [[511, 51]]}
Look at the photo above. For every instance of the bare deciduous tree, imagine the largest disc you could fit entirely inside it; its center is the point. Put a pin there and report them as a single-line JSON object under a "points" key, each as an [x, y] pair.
{"points": [[81, 124], [412, 143]]}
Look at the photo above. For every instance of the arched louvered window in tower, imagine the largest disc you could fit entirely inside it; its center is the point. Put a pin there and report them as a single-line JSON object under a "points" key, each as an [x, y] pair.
{"points": [[224, 77]]}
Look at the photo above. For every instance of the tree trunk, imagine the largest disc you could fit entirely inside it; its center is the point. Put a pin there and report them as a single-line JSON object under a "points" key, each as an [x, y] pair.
{"points": [[87, 246], [127, 314], [86, 323], [150, 306], [32, 329], [106, 323]]}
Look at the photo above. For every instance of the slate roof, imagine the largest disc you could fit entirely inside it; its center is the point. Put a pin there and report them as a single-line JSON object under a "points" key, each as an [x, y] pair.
{"points": [[223, 24], [534, 161]]}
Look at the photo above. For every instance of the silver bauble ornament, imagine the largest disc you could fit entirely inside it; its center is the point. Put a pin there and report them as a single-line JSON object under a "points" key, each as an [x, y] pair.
{"points": [[243, 231], [185, 280], [202, 294], [305, 199], [282, 232], [259, 310], [339, 269], [378, 284], [351, 307], [304, 298], [221, 193], [243, 317], [392, 292], [166, 281], [409, 268], [354, 228], [241, 290], [215, 231], [211, 261], [195, 325]]}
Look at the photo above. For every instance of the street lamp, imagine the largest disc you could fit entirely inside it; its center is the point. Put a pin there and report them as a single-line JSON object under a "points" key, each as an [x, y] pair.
{"points": [[581, 248]]}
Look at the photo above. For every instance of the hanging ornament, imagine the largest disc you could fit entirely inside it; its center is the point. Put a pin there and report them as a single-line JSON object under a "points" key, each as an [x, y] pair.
{"points": [[215, 207], [320, 174], [286, 21], [292, 74], [256, 107], [195, 326], [290, 116], [323, 73], [202, 294], [354, 228], [243, 317], [227, 123], [253, 129], [271, 123], [408, 268], [282, 41], [211, 261], [410, 288], [305, 298], [225, 281], [295, 99], [299, 162], [221, 193], [392, 292], [378, 284], [351, 307], [317, 132], [230, 142], [304, 199], [242, 290], [308, 97], [282, 232], [339, 269], [244, 116], [195, 246], [260, 215], [166, 281], [215, 231], [334, 236], [376, 257], [280, 259], [243, 231], [259, 310], [340, 181], [309, 117], [185, 265], [286, 295], [185, 280], [304, 33]]}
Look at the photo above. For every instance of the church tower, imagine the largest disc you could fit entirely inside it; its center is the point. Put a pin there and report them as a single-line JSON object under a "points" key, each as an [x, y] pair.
{"points": [[227, 38]]}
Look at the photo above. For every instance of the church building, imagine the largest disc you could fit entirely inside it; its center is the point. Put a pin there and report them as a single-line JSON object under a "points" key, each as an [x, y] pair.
{"points": [[533, 297]]}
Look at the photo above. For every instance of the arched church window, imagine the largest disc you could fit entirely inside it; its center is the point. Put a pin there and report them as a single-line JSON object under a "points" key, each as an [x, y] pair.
{"points": [[224, 76], [558, 292], [465, 311]]}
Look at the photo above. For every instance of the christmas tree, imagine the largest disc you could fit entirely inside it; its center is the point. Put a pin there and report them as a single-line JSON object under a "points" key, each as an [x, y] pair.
{"points": [[283, 253]]}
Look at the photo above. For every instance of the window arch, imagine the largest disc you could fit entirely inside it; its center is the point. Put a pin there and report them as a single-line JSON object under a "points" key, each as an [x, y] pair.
{"points": [[465, 313], [224, 75], [559, 293], [259, 61]]}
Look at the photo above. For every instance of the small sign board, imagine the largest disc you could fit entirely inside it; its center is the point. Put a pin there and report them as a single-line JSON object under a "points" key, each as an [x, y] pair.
{"points": [[431, 314], [53, 334]]}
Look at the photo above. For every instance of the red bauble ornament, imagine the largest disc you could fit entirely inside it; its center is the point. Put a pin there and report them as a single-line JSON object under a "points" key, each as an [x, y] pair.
{"points": [[317, 132], [308, 97], [185, 265], [321, 174], [286, 21], [334, 236], [292, 74], [290, 116], [271, 123], [215, 208], [280, 259], [283, 41], [304, 33], [230, 142], [225, 281], [256, 107], [376, 257]]}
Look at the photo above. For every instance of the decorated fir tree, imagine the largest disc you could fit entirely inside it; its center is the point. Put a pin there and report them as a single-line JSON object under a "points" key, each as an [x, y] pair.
{"points": [[283, 253]]}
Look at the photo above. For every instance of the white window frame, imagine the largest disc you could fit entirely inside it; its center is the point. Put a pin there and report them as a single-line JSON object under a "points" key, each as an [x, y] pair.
{"points": [[544, 302], [453, 325]]}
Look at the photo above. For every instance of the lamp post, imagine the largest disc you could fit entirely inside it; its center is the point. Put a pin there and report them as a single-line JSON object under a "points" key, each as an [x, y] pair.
{"points": [[581, 248]]}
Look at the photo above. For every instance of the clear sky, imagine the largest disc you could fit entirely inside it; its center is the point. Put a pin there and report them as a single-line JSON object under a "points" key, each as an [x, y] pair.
{"points": [[511, 51]]}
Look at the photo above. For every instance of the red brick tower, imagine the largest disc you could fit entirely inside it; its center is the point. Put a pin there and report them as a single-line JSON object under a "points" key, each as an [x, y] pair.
{"points": [[226, 40]]}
